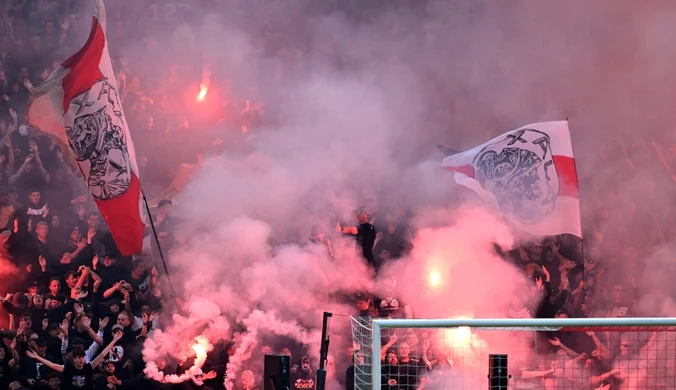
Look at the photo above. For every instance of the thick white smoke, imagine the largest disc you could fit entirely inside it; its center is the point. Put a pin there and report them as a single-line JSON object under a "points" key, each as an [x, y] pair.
{"points": [[259, 321], [343, 143]]}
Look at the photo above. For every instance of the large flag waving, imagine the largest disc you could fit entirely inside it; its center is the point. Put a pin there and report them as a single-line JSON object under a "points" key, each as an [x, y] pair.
{"points": [[81, 98], [528, 174]]}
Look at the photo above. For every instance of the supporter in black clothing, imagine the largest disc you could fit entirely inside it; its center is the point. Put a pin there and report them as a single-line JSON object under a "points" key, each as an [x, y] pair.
{"points": [[77, 374], [165, 226], [31, 175], [389, 303], [80, 250], [365, 305], [101, 380], [37, 210], [365, 234], [553, 300], [49, 249], [57, 230], [55, 292], [54, 342], [303, 378], [54, 381], [392, 237], [71, 279], [31, 372], [109, 271], [141, 283], [6, 365]]}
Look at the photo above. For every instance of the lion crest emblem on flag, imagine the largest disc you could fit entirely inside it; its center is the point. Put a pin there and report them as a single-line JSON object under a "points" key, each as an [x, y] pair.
{"points": [[519, 171], [98, 140]]}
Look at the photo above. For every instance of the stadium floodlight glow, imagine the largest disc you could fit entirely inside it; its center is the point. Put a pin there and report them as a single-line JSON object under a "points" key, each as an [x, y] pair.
{"points": [[368, 334]]}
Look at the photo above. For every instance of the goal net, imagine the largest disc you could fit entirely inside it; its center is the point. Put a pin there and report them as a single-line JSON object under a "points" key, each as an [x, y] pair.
{"points": [[549, 354]]}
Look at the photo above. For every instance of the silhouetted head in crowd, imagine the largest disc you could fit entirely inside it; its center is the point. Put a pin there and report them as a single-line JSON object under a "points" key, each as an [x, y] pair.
{"points": [[362, 214]]}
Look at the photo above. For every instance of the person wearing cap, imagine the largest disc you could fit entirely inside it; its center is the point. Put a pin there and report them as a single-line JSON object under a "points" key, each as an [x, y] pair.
{"points": [[365, 234], [31, 372], [101, 381], [33, 288], [120, 352], [108, 270]]}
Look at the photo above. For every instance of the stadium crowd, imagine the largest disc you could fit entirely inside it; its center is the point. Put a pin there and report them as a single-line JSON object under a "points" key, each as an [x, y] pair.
{"points": [[76, 312]]}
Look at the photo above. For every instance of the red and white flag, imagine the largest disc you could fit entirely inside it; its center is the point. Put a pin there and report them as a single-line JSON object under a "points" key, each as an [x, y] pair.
{"points": [[528, 174], [81, 100]]}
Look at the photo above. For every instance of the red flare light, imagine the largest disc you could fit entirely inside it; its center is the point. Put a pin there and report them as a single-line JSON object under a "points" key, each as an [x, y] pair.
{"points": [[203, 92]]}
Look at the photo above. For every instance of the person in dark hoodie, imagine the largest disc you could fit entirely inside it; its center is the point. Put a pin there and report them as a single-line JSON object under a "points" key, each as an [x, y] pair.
{"points": [[121, 350], [7, 362], [106, 266], [54, 341], [31, 371], [79, 250], [553, 301], [365, 305], [101, 380]]}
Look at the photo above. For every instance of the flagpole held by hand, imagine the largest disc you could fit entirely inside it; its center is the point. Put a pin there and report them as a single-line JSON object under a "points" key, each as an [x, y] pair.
{"points": [[157, 241], [584, 271]]}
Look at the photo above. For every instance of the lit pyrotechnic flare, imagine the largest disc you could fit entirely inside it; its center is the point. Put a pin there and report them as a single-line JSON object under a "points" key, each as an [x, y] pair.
{"points": [[460, 337], [203, 92], [434, 278], [464, 345], [267, 321], [201, 347], [204, 85]]}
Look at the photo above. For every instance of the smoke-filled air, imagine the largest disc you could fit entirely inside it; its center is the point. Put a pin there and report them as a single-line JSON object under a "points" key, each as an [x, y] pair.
{"points": [[307, 156]]}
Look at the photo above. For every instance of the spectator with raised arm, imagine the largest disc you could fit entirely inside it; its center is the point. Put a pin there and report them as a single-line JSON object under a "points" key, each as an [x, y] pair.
{"points": [[365, 234], [77, 374]]}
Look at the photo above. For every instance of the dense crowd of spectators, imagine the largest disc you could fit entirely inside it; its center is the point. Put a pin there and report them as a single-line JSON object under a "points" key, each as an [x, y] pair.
{"points": [[77, 312]]}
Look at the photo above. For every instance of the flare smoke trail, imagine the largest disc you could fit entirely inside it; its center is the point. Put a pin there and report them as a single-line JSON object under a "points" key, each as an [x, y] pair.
{"points": [[259, 321], [199, 350]]}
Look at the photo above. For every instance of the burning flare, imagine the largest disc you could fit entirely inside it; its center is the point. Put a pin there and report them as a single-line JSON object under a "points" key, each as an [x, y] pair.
{"points": [[434, 278], [200, 349], [204, 85], [203, 92]]}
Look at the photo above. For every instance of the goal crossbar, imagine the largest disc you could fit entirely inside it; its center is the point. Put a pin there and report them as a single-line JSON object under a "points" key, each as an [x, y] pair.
{"points": [[663, 324]]}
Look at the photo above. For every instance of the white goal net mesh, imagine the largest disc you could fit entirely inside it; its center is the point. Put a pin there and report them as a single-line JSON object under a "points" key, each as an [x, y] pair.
{"points": [[571, 354]]}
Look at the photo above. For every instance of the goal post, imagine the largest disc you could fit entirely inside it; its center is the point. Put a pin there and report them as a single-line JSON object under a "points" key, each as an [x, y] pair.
{"points": [[474, 345]]}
